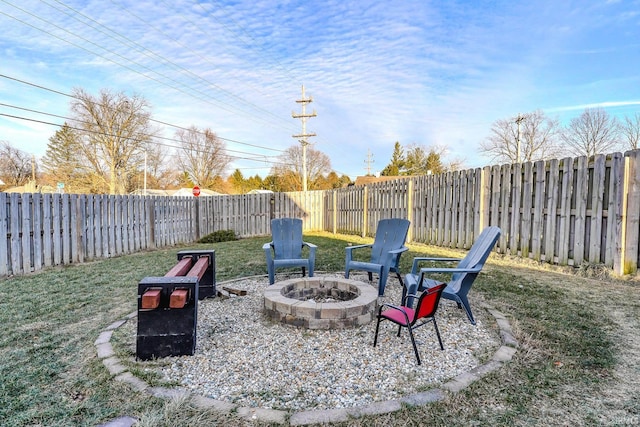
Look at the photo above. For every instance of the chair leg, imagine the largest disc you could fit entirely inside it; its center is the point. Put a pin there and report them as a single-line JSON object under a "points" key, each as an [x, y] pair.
{"points": [[375, 339], [303, 271], [370, 276], [467, 308], [435, 325], [415, 347], [272, 275], [400, 279]]}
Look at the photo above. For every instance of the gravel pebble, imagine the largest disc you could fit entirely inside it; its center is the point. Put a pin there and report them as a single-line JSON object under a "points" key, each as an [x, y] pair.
{"points": [[245, 359]]}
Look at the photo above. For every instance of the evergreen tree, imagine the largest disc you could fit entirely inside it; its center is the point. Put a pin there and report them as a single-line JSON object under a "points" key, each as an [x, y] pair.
{"points": [[397, 163], [63, 161], [419, 161]]}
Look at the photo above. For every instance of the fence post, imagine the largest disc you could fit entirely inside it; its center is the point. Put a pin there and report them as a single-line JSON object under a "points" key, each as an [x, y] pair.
{"points": [[365, 198], [335, 211], [631, 212], [4, 235], [197, 218], [410, 208]]}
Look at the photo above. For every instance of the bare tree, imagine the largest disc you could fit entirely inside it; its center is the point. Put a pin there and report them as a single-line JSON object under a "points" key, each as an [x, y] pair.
{"points": [[202, 156], [630, 132], [593, 132], [536, 135], [289, 168], [16, 166], [114, 131]]}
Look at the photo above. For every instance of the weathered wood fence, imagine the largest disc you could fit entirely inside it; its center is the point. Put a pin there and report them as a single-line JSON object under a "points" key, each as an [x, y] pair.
{"points": [[568, 212]]}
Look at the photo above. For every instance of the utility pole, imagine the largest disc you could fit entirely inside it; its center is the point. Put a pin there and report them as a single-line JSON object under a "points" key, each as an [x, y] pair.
{"points": [[519, 119], [368, 161], [304, 135]]}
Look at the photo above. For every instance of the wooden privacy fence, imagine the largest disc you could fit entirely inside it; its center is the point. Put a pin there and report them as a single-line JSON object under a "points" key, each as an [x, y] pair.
{"points": [[567, 212], [44, 230]]}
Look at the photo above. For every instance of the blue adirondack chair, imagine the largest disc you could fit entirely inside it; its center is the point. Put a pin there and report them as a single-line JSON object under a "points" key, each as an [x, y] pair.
{"points": [[285, 248], [386, 249], [462, 275]]}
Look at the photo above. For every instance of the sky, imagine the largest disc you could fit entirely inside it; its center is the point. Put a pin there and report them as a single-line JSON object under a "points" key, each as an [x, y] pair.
{"points": [[419, 72]]}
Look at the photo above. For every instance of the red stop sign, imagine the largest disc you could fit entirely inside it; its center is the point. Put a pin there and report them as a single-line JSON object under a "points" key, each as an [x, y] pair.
{"points": [[196, 191]]}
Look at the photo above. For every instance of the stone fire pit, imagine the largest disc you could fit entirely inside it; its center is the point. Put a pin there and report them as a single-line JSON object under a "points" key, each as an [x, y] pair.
{"points": [[321, 302]]}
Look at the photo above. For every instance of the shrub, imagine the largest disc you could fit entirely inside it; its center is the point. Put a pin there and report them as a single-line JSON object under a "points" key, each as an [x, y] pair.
{"points": [[219, 236]]}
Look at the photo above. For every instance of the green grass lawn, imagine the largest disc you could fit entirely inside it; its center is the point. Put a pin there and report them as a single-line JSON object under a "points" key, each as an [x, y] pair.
{"points": [[576, 365]]}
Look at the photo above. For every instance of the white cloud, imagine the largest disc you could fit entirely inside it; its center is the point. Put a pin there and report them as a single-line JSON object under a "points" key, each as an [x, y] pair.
{"points": [[415, 72]]}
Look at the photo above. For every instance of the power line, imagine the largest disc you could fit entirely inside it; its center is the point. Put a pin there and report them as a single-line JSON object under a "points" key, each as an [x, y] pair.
{"points": [[151, 54], [194, 92], [256, 157], [153, 120]]}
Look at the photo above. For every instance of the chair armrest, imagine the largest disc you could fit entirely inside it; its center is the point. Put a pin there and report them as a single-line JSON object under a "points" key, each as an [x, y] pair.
{"points": [[268, 252], [350, 248], [349, 251], [312, 249], [399, 251], [450, 270], [418, 260]]}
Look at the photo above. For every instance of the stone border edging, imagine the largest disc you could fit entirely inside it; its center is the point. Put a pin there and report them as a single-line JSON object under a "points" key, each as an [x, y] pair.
{"points": [[120, 373]]}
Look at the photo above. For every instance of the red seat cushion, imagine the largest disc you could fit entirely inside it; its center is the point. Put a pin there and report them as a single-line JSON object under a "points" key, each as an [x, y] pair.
{"points": [[397, 316]]}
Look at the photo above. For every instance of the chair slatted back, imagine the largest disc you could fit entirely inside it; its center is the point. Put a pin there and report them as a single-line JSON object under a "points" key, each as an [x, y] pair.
{"points": [[390, 235], [286, 234], [476, 257]]}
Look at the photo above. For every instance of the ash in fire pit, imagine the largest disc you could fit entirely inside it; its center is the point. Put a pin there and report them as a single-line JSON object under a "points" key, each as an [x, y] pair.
{"points": [[321, 302]]}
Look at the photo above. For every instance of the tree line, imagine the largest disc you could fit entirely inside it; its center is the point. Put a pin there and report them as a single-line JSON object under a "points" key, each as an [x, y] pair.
{"points": [[535, 136], [111, 145]]}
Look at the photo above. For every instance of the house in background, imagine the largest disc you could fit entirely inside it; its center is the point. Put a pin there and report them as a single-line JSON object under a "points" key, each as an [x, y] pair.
{"points": [[370, 179]]}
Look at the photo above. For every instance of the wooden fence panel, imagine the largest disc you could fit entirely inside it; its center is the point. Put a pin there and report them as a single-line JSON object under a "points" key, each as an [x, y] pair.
{"points": [[564, 225], [5, 246], [566, 212], [631, 252], [537, 210], [597, 190], [516, 209], [505, 206], [615, 213], [581, 186], [47, 230], [551, 207]]}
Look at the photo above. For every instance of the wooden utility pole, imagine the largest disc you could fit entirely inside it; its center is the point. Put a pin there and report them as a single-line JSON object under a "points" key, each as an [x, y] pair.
{"points": [[304, 135]]}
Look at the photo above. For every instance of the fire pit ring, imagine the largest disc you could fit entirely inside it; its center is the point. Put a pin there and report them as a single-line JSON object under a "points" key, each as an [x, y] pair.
{"points": [[321, 302]]}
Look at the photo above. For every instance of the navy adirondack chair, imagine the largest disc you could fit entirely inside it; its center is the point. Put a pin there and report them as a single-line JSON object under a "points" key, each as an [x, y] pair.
{"points": [[462, 275], [285, 248], [386, 249]]}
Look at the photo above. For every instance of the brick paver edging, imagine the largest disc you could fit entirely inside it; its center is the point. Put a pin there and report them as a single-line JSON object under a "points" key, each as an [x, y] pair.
{"points": [[120, 373]]}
